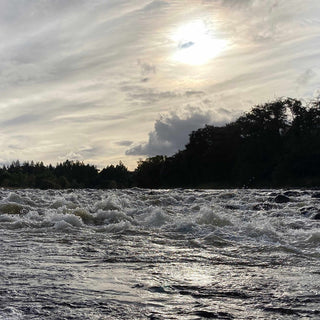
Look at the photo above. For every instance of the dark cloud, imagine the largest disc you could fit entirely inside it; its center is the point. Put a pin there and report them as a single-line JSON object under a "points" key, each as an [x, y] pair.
{"points": [[190, 93], [124, 143], [147, 95], [224, 111], [186, 45], [147, 68], [171, 133]]}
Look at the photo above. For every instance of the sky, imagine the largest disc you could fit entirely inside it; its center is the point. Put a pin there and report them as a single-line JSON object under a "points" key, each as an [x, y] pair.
{"points": [[101, 81]]}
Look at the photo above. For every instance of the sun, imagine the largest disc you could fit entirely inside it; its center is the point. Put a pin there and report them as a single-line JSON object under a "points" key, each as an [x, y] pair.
{"points": [[195, 45]]}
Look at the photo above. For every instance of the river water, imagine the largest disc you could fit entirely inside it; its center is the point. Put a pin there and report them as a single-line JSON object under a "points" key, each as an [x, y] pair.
{"points": [[160, 254]]}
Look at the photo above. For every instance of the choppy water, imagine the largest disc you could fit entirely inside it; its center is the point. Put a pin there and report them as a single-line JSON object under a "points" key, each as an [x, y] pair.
{"points": [[166, 254]]}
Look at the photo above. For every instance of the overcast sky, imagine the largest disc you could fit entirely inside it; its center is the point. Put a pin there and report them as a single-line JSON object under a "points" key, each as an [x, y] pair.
{"points": [[108, 80]]}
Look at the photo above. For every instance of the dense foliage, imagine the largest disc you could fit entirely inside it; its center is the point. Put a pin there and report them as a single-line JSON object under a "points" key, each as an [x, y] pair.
{"points": [[69, 174], [274, 145]]}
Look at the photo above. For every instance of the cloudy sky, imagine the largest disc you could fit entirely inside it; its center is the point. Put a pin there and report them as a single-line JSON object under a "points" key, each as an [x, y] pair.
{"points": [[108, 80]]}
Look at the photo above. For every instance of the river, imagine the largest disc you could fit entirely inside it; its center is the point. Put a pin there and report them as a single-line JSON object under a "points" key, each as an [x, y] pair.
{"points": [[159, 254]]}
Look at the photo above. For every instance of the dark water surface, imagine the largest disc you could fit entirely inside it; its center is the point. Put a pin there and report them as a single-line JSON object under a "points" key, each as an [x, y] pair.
{"points": [[164, 254]]}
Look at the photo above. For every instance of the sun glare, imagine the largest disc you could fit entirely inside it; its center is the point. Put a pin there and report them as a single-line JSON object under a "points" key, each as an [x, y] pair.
{"points": [[195, 44]]}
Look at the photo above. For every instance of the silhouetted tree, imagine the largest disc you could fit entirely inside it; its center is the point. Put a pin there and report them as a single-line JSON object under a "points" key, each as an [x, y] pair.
{"points": [[115, 177], [149, 173]]}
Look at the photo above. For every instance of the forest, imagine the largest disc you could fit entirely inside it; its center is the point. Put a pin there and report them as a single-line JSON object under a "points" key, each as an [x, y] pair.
{"points": [[275, 145]]}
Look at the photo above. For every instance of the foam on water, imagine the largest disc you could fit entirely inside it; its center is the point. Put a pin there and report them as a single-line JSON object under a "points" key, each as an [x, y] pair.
{"points": [[243, 214], [160, 254]]}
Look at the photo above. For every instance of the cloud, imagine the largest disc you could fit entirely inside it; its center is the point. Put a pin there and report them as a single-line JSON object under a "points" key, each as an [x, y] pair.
{"points": [[155, 5], [148, 95], [146, 68], [186, 45], [81, 153], [306, 77], [316, 94], [190, 93], [152, 95], [72, 156], [232, 3], [171, 132], [260, 21], [124, 143], [21, 120]]}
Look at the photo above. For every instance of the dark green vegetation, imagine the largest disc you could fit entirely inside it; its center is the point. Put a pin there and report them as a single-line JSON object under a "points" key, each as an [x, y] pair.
{"points": [[69, 174], [274, 145]]}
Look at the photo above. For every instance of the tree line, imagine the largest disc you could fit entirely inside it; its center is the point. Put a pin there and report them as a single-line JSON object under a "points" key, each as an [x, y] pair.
{"points": [[69, 174], [276, 144]]}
